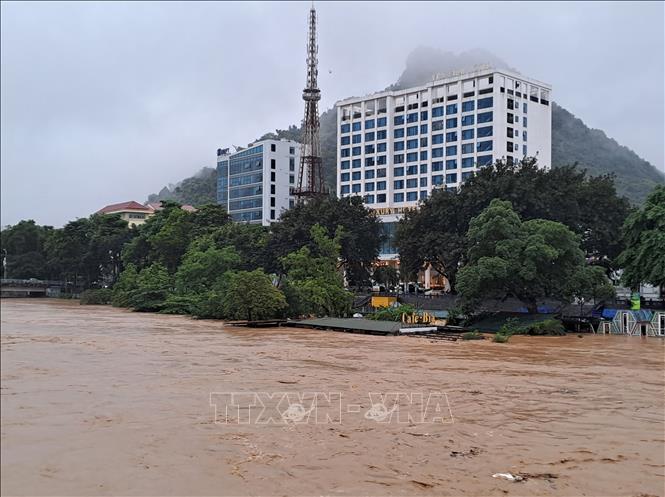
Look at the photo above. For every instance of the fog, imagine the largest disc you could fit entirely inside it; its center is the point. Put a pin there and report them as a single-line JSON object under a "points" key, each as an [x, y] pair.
{"points": [[104, 102]]}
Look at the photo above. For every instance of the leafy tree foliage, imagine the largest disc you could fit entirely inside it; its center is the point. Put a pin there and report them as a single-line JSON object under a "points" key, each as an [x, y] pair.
{"points": [[359, 239], [386, 275], [590, 283], [643, 260], [251, 295], [24, 247], [153, 285], [528, 260], [313, 276]]}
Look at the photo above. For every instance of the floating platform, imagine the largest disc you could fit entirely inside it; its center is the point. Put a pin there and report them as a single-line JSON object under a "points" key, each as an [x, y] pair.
{"points": [[360, 325]]}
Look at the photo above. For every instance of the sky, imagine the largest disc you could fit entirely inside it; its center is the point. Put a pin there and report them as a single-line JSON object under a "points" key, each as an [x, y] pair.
{"points": [[104, 102]]}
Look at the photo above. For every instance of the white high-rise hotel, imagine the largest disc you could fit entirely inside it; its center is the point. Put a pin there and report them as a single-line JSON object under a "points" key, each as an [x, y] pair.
{"points": [[394, 147]]}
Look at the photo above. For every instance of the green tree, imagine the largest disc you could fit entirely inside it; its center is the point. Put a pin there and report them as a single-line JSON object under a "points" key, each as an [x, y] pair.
{"points": [[251, 295], [643, 260], [314, 277], [153, 286], [528, 260], [251, 242], [24, 247], [359, 241], [203, 264], [386, 275], [590, 283], [122, 289]]}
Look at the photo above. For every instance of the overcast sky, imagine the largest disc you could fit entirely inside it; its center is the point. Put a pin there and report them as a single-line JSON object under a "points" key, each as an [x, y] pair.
{"points": [[106, 102]]}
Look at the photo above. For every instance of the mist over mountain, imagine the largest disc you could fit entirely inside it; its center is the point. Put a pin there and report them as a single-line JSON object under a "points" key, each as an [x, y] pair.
{"points": [[572, 141]]}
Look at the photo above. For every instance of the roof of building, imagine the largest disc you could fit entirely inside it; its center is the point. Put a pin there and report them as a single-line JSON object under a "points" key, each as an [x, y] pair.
{"points": [[124, 206]]}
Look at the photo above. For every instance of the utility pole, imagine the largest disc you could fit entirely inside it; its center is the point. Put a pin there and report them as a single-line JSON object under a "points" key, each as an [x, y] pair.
{"points": [[310, 174]]}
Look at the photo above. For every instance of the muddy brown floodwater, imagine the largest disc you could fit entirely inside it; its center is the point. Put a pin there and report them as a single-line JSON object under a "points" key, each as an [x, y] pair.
{"points": [[101, 401]]}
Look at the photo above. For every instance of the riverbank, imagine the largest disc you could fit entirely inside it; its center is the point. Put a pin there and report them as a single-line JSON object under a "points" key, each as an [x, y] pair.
{"points": [[103, 401]]}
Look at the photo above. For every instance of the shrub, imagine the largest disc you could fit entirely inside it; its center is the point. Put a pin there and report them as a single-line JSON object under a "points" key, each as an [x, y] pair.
{"points": [[392, 313], [178, 304], [96, 296], [501, 338], [547, 327], [512, 327], [472, 335]]}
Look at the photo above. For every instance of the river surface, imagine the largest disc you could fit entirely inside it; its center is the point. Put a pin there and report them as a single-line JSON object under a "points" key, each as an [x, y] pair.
{"points": [[102, 401]]}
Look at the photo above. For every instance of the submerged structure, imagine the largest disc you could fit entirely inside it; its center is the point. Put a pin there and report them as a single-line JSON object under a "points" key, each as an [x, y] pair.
{"points": [[310, 174]]}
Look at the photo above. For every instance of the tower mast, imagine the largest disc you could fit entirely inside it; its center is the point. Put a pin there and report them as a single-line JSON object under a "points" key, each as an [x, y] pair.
{"points": [[310, 174]]}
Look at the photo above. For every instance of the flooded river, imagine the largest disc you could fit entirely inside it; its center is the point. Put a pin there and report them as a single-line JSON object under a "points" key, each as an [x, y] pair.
{"points": [[101, 401]]}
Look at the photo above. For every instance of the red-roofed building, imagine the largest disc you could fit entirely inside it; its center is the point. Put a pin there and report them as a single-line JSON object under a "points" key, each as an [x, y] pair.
{"points": [[132, 212]]}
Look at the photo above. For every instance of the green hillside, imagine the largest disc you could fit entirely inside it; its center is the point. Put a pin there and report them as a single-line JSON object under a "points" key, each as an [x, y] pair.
{"points": [[572, 141]]}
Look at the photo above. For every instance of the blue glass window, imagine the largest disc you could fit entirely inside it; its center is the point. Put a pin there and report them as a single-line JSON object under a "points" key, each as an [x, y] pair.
{"points": [[452, 150], [398, 197], [357, 138], [398, 120], [345, 189], [451, 164], [381, 122], [345, 152], [437, 139], [524, 108], [467, 134], [437, 166], [411, 170], [355, 163], [423, 194], [483, 132], [467, 120], [345, 128], [524, 135], [484, 117], [369, 149], [381, 147], [346, 164], [381, 198], [484, 160], [485, 103], [517, 119], [412, 144], [467, 148], [369, 137], [346, 140], [381, 160], [381, 185], [355, 126], [356, 150], [369, 199], [356, 188], [369, 124], [398, 146], [451, 109], [423, 168], [451, 123], [423, 141], [468, 106], [412, 131], [524, 150], [451, 178], [423, 182], [451, 137], [412, 157], [369, 174], [411, 196], [437, 152], [355, 176], [380, 173], [437, 180], [398, 171], [423, 115], [437, 112], [525, 122], [398, 158], [412, 118], [412, 183], [484, 146], [423, 155], [467, 162], [437, 125], [423, 129], [369, 187], [344, 177], [398, 133], [398, 184], [467, 175]]}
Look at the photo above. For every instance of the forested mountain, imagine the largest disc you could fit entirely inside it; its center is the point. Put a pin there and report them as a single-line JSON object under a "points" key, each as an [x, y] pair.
{"points": [[572, 141]]}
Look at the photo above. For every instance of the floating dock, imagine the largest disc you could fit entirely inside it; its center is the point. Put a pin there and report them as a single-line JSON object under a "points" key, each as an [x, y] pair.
{"points": [[360, 325]]}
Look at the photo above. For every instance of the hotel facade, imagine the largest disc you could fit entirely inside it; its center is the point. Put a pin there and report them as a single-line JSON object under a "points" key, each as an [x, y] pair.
{"points": [[395, 147], [256, 184]]}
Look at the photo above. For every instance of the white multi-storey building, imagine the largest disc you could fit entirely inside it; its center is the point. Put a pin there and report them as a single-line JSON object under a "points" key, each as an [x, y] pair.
{"points": [[394, 147], [256, 184]]}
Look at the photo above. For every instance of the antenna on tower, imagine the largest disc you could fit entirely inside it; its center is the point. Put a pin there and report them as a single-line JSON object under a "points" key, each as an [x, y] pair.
{"points": [[310, 174]]}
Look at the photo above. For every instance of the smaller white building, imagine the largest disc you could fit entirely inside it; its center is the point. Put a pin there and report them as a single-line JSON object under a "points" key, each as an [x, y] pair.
{"points": [[256, 183]]}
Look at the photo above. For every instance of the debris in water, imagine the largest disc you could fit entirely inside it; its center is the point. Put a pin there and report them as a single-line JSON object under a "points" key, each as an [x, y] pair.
{"points": [[507, 476]]}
